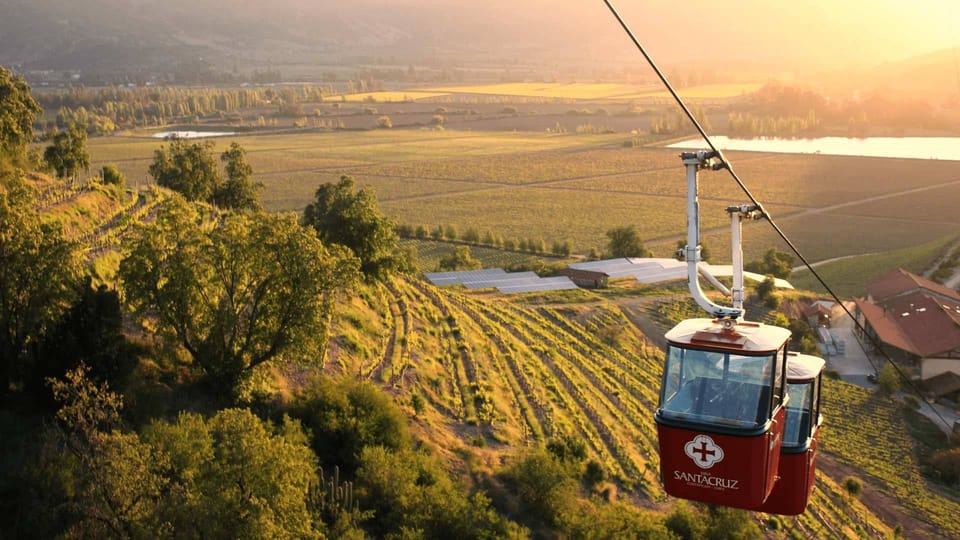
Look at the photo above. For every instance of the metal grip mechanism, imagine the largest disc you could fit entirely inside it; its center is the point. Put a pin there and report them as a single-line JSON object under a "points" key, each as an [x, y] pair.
{"points": [[694, 162]]}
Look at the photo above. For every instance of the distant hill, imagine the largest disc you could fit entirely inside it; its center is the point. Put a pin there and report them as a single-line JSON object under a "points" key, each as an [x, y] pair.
{"points": [[934, 76], [536, 35]]}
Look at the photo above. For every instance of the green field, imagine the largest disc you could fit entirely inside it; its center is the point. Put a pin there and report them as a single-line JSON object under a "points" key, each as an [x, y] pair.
{"points": [[848, 277], [575, 187]]}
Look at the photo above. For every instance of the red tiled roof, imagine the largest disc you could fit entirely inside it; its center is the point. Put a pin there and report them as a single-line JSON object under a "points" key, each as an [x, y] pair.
{"points": [[885, 326], [900, 281], [918, 323]]}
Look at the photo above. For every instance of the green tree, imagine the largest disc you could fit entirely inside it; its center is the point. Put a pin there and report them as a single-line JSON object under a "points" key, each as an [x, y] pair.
{"points": [[774, 263], [230, 476], [67, 154], [236, 476], [888, 381], [109, 478], [947, 463], [545, 487], [39, 272], [727, 523], [686, 522], [90, 332], [111, 174], [767, 291], [239, 191], [257, 287], [18, 112], [351, 218], [412, 497], [625, 242], [187, 168], [459, 259], [347, 416]]}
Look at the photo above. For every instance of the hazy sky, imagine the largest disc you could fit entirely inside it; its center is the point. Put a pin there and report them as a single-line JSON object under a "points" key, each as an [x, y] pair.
{"points": [[834, 31]]}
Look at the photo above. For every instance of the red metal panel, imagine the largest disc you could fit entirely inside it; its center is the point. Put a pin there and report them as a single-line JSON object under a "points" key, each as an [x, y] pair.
{"points": [[716, 468], [797, 475]]}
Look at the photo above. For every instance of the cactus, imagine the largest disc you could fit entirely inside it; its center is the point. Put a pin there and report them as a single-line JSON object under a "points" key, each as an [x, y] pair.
{"points": [[330, 495]]}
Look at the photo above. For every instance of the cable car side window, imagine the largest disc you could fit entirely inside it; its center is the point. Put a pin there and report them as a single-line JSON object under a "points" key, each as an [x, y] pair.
{"points": [[797, 430], [722, 388]]}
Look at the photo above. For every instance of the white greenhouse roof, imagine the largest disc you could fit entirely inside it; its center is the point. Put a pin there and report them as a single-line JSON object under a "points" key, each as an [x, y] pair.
{"points": [[505, 282], [656, 270]]}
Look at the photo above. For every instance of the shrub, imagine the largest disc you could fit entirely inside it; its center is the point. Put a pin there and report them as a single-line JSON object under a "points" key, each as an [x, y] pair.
{"points": [[888, 381], [112, 175], [853, 486], [344, 417], [685, 522], [947, 463]]}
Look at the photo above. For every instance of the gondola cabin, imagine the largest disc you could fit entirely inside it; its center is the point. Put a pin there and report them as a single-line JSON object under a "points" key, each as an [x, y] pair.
{"points": [[721, 416], [798, 454]]}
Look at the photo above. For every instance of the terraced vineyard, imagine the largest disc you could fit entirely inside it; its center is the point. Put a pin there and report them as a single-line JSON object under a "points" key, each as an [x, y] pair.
{"points": [[498, 375]]}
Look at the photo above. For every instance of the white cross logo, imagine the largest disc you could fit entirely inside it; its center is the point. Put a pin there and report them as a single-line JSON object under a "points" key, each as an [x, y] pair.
{"points": [[703, 451]]}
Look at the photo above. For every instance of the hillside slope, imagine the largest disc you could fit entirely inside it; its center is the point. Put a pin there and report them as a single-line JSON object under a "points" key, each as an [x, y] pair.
{"points": [[497, 376], [484, 377]]}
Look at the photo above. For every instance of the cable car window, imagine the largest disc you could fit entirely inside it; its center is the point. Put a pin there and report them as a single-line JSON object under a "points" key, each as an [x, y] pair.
{"points": [[778, 378], [717, 387], [796, 430]]}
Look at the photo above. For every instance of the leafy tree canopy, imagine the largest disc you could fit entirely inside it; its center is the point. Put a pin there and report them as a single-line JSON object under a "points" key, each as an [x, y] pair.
{"points": [[192, 170], [111, 174], [459, 259], [255, 288], [67, 153], [18, 111], [187, 168], [346, 416], [239, 190], [774, 263], [230, 476], [351, 218], [625, 242], [39, 271]]}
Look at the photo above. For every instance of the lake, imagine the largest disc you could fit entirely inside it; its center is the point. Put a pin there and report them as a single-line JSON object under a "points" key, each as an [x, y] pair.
{"points": [[943, 148], [191, 134]]}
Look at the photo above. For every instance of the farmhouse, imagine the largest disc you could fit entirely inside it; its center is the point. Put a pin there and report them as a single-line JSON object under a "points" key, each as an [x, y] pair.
{"points": [[917, 321], [593, 279]]}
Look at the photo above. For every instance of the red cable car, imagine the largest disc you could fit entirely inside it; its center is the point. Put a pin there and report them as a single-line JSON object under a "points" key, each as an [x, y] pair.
{"points": [[798, 454], [722, 414], [723, 401]]}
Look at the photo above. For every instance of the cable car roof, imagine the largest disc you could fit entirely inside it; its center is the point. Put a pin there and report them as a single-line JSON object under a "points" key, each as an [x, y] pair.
{"points": [[803, 367], [746, 337]]}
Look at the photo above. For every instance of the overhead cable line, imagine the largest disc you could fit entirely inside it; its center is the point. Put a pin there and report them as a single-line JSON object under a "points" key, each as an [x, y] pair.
{"points": [[729, 167]]}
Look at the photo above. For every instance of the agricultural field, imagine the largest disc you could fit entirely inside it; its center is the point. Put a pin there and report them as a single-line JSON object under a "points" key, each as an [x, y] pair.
{"points": [[395, 96], [600, 91], [848, 277], [567, 186]]}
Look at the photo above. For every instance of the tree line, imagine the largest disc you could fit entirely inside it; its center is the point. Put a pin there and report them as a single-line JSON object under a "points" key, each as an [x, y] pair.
{"points": [[104, 110]]}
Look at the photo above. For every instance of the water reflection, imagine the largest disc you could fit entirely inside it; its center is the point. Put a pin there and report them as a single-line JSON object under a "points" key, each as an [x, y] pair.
{"points": [[191, 134], [944, 148]]}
